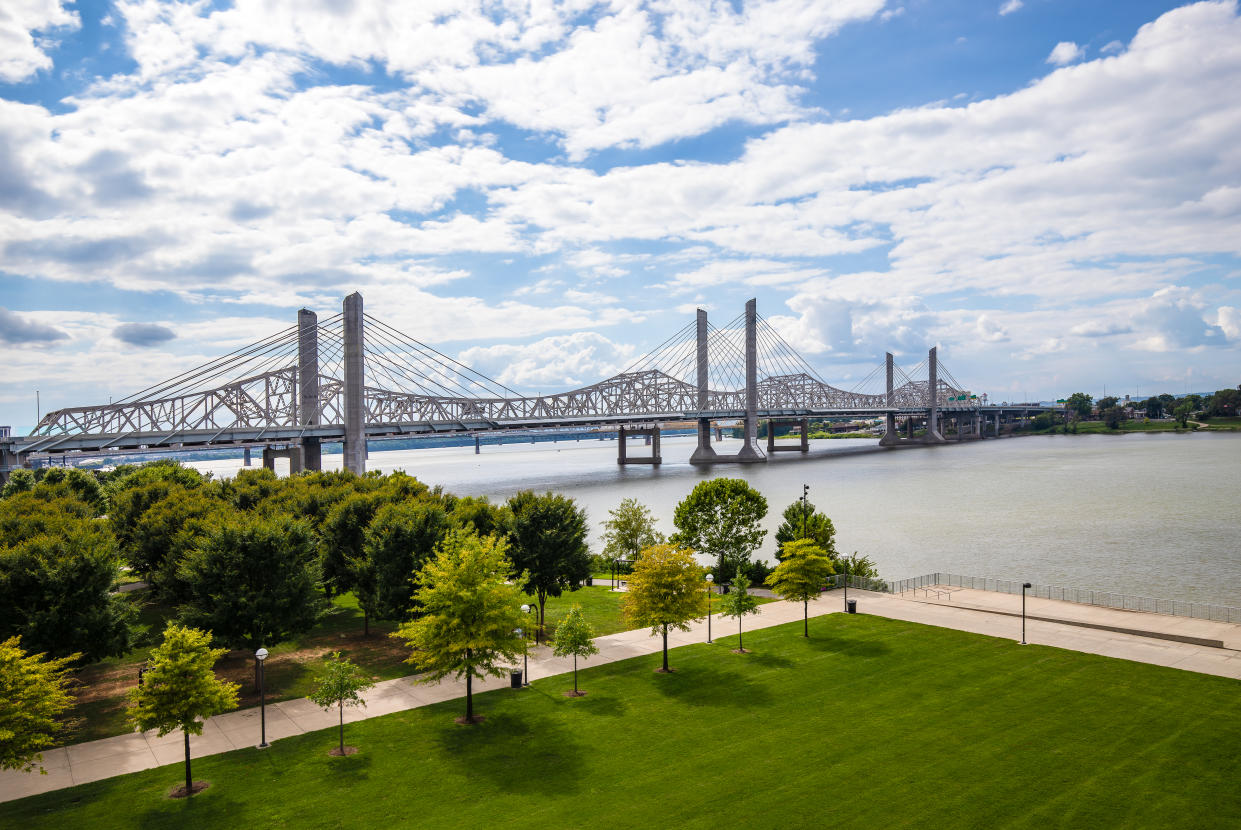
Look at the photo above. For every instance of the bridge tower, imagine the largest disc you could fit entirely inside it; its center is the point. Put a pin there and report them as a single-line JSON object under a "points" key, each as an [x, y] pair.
{"points": [[890, 438], [749, 450], [308, 412], [705, 453], [355, 402], [933, 435]]}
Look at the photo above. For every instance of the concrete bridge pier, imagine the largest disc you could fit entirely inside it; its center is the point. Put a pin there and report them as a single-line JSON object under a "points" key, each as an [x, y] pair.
{"points": [[9, 461], [804, 446], [651, 434], [704, 453], [933, 435], [297, 461], [354, 400]]}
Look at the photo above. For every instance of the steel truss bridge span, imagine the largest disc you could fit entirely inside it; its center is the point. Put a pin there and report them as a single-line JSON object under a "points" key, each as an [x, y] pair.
{"points": [[352, 378]]}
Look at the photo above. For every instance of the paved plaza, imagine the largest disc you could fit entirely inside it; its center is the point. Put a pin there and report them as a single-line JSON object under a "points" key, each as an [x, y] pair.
{"points": [[1095, 630]]}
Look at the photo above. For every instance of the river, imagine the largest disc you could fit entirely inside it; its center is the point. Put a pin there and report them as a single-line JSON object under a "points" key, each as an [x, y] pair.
{"points": [[1151, 514]]}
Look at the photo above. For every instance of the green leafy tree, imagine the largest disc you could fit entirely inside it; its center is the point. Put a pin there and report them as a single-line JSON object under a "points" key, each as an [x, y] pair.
{"points": [[340, 683], [817, 527], [253, 489], [166, 532], [1113, 416], [1080, 404], [1194, 402], [629, 530], [548, 543], [180, 689], [343, 536], [20, 481], [57, 570], [253, 581], [737, 603], [1106, 403], [575, 636], [1153, 407], [721, 517], [470, 608], [665, 591], [479, 513], [801, 576], [398, 542], [854, 565], [33, 697], [58, 482], [1224, 403], [1182, 413]]}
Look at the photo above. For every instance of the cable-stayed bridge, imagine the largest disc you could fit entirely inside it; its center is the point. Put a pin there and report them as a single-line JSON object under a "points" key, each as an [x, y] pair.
{"points": [[352, 378]]}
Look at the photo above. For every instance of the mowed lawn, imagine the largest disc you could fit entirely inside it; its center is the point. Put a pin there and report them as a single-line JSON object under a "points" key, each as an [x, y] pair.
{"points": [[871, 723]]}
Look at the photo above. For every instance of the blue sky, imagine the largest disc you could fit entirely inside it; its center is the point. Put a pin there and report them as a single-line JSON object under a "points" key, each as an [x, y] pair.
{"points": [[1049, 191]]}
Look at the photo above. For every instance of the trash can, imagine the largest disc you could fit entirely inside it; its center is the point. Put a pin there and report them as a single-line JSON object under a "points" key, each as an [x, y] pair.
{"points": [[851, 606], [590, 580], [514, 680]]}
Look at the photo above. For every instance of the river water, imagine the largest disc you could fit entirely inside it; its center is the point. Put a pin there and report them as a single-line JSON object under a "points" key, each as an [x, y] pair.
{"points": [[1151, 514]]}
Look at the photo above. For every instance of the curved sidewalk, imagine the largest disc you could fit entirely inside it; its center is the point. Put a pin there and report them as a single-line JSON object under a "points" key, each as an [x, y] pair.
{"points": [[80, 763]]}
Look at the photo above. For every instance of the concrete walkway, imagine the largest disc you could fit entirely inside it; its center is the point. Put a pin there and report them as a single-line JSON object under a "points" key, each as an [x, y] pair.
{"points": [[984, 613]]}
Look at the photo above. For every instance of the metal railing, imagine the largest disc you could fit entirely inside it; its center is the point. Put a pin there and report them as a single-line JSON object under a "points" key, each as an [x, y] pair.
{"points": [[1082, 596]]}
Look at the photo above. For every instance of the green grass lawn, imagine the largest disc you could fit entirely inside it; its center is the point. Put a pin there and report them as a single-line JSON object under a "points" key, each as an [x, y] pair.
{"points": [[870, 723], [601, 607]]}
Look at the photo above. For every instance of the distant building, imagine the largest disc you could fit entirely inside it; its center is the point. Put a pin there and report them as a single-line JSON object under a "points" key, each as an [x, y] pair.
{"points": [[5, 432]]}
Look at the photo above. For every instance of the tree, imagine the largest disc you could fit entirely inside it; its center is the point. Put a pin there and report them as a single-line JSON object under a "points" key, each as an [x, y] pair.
{"points": [[1113, 416], [179, 689], [253, 581], [166, 532], [738, 603], [20, 481], [486, 518], [1167, 402], [720, 517], [469, 612], [339, 684], [630, 529], [33, 696], [575, 636], [1106, 403], [57, 570], [1079, 403], [548, 543], [1224, 403], [801, 576], [665, 591], [342, 536], [397, 543], [1153, 407], [818, 528], [1182, 413], [1194, 402]]}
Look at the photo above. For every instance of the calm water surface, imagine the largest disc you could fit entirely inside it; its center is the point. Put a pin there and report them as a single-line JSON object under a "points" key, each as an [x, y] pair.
{"points": [[1151, 514]]}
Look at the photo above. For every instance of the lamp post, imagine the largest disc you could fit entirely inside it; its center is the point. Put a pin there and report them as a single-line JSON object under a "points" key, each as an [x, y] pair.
{"points": [[1024, 586], [710, 579], [261, 657], [846, 585], [525, 609], [525, 659], [805, 490]]}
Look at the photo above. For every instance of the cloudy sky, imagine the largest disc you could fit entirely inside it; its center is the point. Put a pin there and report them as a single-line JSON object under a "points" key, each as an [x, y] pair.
{"points": [[1049, 190]]}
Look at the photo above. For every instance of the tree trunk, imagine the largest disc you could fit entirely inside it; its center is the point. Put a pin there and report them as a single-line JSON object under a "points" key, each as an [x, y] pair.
{"points": [[341, 705], [805, 607], [542, 610], [740, 646], [189, 779], [665, 648], [575, 674], [469, 686], [366, 623]]}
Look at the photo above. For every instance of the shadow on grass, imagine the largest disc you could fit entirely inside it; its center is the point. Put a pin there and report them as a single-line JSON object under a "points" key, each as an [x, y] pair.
{"points": [[702, 685], [600, 704], [848, 646], [210, 808], [547, 754], [770, 661]]}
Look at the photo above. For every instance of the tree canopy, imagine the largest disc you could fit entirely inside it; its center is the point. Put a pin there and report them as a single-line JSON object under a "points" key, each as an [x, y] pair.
{"points": [[398, 542], [721, 517], [629, 529], [1080, 404], [737, 603], [547, 543], [665, 591], [801, 576], [253, 581], [470, 608], [818, 528], [33, 697]]}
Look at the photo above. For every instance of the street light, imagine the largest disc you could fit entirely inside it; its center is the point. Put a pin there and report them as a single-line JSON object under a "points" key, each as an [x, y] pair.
{"points": [[1024, 585], [846, 560], [525, 659], [805, 490], [526, 609], [710, 579], [261, 656]]}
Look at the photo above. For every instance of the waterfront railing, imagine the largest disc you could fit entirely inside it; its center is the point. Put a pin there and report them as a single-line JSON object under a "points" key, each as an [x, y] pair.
{"points": [[1082, 596]]}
